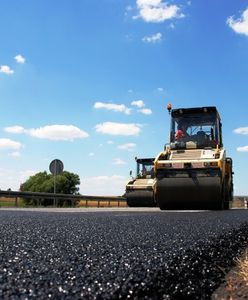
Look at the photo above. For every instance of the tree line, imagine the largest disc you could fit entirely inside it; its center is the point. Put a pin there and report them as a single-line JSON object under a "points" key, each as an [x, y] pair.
{"points": [[66, 183]]}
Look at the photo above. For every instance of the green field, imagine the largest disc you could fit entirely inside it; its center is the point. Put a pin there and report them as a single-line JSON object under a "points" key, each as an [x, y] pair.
{"points": [[11, 202]]}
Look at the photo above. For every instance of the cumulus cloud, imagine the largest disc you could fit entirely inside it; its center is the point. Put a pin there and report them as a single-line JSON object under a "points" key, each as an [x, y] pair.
{"points": [[118, 161], [6, 144], [97, 185], [243, 149], [113, 128], [160, 89], [111, 106], [91, 154], [241, 130], [58, 132], [145, 111], [157, 11], [239, 25], [15, 129], [138, 103], [6, 70], [10, 178], [51, 132], [20, 59], [155, 38], [128, 146]]}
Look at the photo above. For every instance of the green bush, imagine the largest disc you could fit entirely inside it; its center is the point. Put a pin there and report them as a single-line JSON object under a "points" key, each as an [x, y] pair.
{"points": [[66, 183]]}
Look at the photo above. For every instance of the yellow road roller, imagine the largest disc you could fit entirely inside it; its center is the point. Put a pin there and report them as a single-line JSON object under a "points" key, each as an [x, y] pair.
{"points": [[139, 190], [193, 171]]}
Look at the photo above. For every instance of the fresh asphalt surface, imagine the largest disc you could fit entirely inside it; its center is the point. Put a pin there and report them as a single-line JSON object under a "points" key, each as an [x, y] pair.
{"points": [[117, 253]]}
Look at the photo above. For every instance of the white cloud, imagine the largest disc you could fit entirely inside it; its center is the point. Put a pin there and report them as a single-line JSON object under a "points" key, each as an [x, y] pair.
{"points": [[155, 38], [15, 129], [97, 185], [241, 130], [6, 70], [128, 146], [10, 178], [20, 59], [129, 8], [157, 11], [243, 149], [91, 154], [239, 25], [15, 154], [6, 144], [138, 103], [148, 2], [145, 111], [113, 128], [110, 142], [112, 106], [58, 132], [51, 132], [118, 161], [160, 89]]}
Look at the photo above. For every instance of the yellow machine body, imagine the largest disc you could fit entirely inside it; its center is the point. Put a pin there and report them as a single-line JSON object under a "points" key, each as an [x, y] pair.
{"points": [[140, 189], [193, 171]]}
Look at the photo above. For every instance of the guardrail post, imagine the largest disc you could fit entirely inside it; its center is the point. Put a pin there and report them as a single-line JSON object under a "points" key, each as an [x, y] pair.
{"points": [[16, 201]]}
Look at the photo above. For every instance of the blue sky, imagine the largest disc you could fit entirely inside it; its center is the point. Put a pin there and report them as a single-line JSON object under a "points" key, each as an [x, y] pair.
{"points": [[88, 81]]}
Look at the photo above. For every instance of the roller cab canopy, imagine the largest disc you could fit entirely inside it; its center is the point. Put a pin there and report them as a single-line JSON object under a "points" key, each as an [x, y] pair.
{"points": [[198, 127], [145, 167]]}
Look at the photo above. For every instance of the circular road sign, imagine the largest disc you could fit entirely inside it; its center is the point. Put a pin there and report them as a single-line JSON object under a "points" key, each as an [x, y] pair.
{"points": [[56, 167]]}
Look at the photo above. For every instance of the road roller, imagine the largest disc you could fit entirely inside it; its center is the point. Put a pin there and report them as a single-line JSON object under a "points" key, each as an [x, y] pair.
{"points": [[139, 190], [193, 171]]}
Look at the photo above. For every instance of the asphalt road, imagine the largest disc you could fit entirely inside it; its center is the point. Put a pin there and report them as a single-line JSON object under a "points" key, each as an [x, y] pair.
{"points": [[117, 254]]}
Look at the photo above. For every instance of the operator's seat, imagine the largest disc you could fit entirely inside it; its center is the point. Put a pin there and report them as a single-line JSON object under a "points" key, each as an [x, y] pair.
{"points": [[201, 137], [201, 133]]}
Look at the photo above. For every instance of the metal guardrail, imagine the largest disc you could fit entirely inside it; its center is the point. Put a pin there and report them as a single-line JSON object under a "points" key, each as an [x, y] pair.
{"points": [[88, 198], [57, 197]]}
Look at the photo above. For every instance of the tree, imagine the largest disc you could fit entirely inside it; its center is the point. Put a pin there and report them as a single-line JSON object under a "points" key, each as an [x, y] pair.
{"points": [[66, 183]]}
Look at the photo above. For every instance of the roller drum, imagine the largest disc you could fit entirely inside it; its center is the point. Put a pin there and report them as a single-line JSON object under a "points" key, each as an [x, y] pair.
{"points": [[189, 193], [140, 199]]}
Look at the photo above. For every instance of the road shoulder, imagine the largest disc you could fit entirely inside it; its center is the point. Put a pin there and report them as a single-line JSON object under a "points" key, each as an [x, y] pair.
{"points": [[235, 286]]}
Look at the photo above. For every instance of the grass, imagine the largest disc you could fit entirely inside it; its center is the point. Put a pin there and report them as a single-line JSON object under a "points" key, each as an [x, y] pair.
{"points": [[11, 202], [242, 264], [236, 284]]}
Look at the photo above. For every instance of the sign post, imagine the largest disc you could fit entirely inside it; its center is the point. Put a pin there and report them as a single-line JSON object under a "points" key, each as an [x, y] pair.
{"points": [[56, 167]]}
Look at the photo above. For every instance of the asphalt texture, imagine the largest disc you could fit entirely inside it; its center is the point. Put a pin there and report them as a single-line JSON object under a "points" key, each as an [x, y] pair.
{"points": [[118, 254]]}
